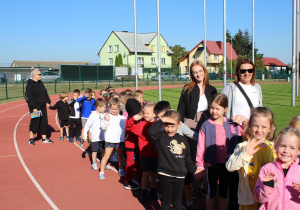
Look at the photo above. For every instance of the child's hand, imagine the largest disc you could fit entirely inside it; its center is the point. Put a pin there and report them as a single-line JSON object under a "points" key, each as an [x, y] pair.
{"points": [[168, 120], [138, 117], [107, 116], [251, 147], [84, 139], [199, 174], [269, 176], [297, 187], [47, 105], [81, 95]]}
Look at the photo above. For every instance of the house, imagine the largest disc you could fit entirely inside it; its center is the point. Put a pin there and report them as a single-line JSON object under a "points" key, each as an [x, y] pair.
{"points": [[122, 42], [273, 64], [214, 55], [49, 65]]}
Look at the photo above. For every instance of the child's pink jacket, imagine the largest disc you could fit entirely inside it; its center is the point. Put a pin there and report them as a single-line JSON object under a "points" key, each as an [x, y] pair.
{"points": [[283, 196]]}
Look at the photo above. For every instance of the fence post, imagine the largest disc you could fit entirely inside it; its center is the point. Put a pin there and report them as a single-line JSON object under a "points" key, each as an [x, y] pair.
{"points": [[23, 88], [55, 86], [129, 73], [97, 78], [79, 73], [109, 82], [169, 73], [69, 85], [16, 78], [122, 81], [82, 85], [6, 89]]}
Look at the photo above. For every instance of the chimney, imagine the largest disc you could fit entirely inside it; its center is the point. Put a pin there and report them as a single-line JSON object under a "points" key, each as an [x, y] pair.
{"points": [[219, 43]]}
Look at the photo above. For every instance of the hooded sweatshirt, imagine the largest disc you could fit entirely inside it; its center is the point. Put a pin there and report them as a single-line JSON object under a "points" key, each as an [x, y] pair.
{"points": [[37, 94]]}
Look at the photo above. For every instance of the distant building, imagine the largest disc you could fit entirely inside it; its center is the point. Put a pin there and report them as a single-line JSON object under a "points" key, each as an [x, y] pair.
{"points": [[214, 55], [274, 64], [50, 65], [122, 42]]}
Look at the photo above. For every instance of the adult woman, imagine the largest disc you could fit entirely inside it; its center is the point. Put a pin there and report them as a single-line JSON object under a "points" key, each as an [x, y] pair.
{"points": [[193, 109], [37, 97], [239, 108], [237, 102]]}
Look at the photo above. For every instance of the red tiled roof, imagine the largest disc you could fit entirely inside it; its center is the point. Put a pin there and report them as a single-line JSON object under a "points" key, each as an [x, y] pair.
{"points": [[215, 47], [272, 62]]}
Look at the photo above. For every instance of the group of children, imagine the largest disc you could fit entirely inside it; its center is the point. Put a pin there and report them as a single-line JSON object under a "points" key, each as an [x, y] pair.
{"points": [[154, 141]]}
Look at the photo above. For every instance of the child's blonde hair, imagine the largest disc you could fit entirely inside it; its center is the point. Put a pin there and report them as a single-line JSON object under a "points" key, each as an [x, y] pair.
{"points": [[138, 93], [260, 112], [149, 105], [288, 131], [172, 114], [63, 94], [100, 102], [295, 121], [114, 101]]}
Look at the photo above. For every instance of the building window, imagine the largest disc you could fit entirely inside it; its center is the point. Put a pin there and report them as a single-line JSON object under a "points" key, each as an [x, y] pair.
{"points": [[216, 57], [186, 69], [153, 48], [163, 61], [153, 61], [110, 61], [163, 49], [140, 60], [116, 48], [110, 48]]}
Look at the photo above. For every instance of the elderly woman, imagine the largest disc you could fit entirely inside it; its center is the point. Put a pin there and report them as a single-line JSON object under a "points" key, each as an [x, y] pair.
{"points": [[38, 100], [193, 109], [243, 95]]}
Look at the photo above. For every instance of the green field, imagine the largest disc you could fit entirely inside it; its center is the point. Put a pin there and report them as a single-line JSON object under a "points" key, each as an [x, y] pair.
{"points": [[276, 96]]}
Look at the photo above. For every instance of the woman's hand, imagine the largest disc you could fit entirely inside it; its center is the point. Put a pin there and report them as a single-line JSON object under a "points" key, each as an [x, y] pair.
{"points": [[269, 176], [35, 111], [297, 187], [239, 119], [47, 105], [251, 147], [199, 174]]}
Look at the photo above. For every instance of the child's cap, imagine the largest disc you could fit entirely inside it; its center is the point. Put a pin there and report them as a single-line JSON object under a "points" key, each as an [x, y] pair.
{"points": [[133, 107]]}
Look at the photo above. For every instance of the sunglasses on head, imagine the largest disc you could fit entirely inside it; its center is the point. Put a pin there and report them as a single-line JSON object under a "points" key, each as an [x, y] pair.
{"points": [[243, 71], [39, 74]]}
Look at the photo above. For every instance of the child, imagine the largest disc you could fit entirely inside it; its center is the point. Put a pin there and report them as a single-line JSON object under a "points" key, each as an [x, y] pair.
{"points": [[278, 184], [114, 136], [128, 91], [295, 122], [218, 137], [102, 94], [148, 153], [252, 154], [93, 94], [63, 114], [138, 95], [95, 124], [87, 107], [173, 158], [75, 117], [123, 102], [133, 107]]}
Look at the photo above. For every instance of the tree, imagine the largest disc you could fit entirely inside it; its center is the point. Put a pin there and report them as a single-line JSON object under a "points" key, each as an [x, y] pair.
{"points": [[120, 59], [179, 52], [228, 65], [116, 61]]}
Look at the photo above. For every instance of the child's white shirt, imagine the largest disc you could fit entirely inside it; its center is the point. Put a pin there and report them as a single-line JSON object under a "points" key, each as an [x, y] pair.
{"points": [[115, 129], [94, 124]]}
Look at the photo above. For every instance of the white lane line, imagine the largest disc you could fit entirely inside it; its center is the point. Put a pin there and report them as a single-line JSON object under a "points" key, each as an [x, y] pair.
{"points": [[111, 168], [11, 108], [28, 171]]}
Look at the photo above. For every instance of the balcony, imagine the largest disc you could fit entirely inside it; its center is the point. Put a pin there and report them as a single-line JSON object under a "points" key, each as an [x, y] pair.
{"points": [[212, 60]]}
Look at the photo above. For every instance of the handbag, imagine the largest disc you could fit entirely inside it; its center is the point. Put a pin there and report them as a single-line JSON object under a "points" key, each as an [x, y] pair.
{"points": [[244, 94]]}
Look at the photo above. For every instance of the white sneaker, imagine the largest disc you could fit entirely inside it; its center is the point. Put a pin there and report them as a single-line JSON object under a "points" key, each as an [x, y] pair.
{"points": [[47, 141], [94, 166]]}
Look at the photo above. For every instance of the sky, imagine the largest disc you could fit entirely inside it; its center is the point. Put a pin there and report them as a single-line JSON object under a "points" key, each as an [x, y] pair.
{"points": [[65, 30]]}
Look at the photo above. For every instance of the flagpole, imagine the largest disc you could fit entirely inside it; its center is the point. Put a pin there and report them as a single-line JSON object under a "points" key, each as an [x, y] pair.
{"points": [[135, 50], [158, 52]]}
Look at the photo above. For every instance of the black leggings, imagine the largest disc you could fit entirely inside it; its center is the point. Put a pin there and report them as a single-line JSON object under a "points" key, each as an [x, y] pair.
{"points": [[75, 127], [171, 190], [39, 123], [214, 174]]}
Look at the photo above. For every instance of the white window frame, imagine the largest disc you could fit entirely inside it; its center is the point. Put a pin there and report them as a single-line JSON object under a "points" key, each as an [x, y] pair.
{"points": [[111, 61], [153, 61], [110, 48], [153, 48], [163, 61], [163, 49], [140, 60], [116, 48], [216, 57]]}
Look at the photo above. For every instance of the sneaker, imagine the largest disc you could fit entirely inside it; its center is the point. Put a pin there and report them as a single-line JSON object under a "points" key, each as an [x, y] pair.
{"points": [[153, 195], [78, 138], [67, 137], [89, 141], [31, 142], [130, 185], [81, 143], [107, 167], [47, 141], [144, 198], [102, 177], [202, 191], [71, 140], [121, 173], [61, 138], [94, 166]]}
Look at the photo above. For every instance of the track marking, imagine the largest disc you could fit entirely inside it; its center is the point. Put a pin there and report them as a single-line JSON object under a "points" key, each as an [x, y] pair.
{"points": [[11, 108], [8, 156], [28, 171]]}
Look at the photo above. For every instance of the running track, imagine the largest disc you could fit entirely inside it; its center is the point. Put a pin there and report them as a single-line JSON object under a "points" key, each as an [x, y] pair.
{"points": [[58, 175]]}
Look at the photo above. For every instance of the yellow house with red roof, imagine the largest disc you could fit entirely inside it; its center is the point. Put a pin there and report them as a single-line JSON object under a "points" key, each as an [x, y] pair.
{"points": [[214, 55]]}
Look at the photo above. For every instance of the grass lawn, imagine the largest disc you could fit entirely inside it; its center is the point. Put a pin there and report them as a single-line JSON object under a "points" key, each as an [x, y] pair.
{"points": [[276, 96]]}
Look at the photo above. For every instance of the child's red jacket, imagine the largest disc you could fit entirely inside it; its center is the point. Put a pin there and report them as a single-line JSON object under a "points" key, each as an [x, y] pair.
{"points": [[144, 142]]}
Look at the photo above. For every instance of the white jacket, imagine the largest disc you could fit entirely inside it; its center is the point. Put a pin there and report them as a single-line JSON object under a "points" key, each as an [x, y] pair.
{"points": [[96, 124], [115, 130]]}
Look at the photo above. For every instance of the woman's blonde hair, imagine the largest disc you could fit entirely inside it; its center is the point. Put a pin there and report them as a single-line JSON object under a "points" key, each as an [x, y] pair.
{"points": [[191, 85], [288, 131], [295, 120], [33, 71], [63, 94], [260, 112]]}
